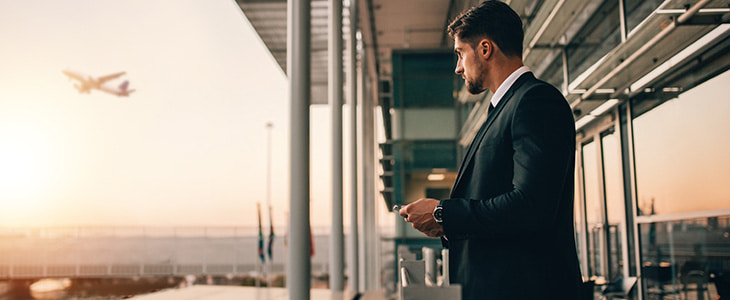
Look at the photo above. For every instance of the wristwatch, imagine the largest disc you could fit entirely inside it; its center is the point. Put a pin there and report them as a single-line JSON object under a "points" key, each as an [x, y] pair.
{"points": [[438, 214]]}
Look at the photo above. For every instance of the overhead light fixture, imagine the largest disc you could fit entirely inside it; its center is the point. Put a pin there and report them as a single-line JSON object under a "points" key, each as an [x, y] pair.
{"points": [[436, 177]]}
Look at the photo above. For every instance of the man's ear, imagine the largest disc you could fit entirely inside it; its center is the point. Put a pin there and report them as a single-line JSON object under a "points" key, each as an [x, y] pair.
{"points": [[485, 48]]}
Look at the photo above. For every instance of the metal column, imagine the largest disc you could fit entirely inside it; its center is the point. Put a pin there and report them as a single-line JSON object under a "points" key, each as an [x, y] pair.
{"points": [[353, 265], [368, 178], [299, 268], [337, 245]]}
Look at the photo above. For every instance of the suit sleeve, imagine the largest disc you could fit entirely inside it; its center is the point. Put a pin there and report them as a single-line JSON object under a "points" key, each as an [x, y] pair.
{"points": [[543, 143]]}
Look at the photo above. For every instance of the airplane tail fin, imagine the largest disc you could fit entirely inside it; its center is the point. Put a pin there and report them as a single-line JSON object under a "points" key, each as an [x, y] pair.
{"points": [[124, 85]]}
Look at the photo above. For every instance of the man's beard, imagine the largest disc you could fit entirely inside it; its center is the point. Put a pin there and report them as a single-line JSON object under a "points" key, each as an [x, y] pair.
{"points": [[473, 88]]}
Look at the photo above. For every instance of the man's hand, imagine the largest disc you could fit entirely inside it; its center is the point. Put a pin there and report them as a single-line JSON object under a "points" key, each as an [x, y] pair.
{"points": [[420, 214]]}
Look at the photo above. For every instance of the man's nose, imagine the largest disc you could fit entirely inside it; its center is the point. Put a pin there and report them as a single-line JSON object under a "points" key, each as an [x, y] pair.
{"points": [[459, 69]]}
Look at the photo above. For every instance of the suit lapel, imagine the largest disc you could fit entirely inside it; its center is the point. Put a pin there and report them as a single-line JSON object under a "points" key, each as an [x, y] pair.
{"points": [[488, 123]]}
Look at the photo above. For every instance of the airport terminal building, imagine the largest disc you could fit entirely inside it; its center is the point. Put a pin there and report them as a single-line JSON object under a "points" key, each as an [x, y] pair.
{"points": [[648, 85]]}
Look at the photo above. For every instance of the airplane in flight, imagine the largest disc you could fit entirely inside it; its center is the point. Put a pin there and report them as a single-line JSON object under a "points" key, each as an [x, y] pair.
{"points": [[87, 83]]}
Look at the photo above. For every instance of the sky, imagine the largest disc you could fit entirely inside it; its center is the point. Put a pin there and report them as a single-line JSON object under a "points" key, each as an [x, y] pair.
{"points": [[688, 173], [188, 148]]}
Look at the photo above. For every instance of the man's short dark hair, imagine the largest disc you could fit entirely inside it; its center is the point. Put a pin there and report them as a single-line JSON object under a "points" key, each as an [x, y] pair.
{"points": [[494, 20]]}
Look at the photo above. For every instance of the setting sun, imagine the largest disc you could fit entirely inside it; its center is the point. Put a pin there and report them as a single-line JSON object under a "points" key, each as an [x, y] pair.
{"points": [[25, 165]]}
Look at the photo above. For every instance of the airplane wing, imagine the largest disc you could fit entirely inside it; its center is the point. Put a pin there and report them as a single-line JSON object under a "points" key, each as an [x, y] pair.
{"points": [[106, 78], [73, 75]]}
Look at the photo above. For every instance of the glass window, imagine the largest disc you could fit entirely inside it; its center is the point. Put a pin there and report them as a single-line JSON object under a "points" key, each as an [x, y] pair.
{"points": [[691, 257], [594, 219], [615, 203], [681, 151]]}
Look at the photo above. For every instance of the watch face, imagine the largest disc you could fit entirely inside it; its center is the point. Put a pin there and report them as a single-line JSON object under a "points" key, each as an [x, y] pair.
{"points": [[437, 214]]}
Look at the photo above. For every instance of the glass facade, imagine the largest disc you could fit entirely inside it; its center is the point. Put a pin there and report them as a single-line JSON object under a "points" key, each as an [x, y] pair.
{"points": [[594, 211], [678, 152], [615, 207], [682, 168], [681, 150], [688, 258]]}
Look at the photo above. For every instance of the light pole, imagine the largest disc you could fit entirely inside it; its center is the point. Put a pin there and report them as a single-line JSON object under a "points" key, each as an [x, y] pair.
{"points": [[269, 127]]}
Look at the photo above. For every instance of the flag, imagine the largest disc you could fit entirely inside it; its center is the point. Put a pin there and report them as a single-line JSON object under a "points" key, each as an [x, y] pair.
{"points": [[269, 250], [286, 233], [652, 229], [261, 235]]}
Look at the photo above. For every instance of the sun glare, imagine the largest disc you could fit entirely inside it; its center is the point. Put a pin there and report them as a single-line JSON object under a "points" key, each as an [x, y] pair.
{"points": [[25, 167]]}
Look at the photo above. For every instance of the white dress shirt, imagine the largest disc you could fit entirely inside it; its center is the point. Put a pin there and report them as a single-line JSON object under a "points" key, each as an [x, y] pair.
{"points": [[504, 87]]}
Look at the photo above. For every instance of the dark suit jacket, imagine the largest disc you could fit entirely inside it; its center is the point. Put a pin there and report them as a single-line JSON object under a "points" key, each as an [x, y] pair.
{"points": [[509, 221]]}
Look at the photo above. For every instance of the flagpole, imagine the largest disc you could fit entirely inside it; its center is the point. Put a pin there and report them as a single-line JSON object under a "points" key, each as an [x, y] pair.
{"points": [[269, 127]]}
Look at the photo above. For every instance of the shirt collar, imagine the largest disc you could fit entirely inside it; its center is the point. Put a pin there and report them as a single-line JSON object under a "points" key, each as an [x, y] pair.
{"points": [[507, 84]]}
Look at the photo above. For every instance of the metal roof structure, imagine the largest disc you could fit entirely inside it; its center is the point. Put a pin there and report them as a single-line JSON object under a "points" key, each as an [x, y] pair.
{"points": [[551, 27], [400, 24]]}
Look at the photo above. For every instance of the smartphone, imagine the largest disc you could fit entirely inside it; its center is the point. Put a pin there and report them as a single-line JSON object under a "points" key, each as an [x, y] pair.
{"points": [[397, 207]]}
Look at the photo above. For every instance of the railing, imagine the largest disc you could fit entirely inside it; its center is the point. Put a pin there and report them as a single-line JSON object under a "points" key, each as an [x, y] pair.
{"points": [[140, 251], [419, 278], [123, 270]]}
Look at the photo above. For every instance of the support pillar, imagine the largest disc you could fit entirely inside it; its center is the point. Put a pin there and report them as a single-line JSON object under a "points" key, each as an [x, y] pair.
{"points": [[353, 265], [337, 245], [299, 270]]}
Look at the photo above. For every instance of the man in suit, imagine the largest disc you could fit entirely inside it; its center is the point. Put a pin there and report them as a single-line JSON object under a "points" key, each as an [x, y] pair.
{"points": [[509, 220]]}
